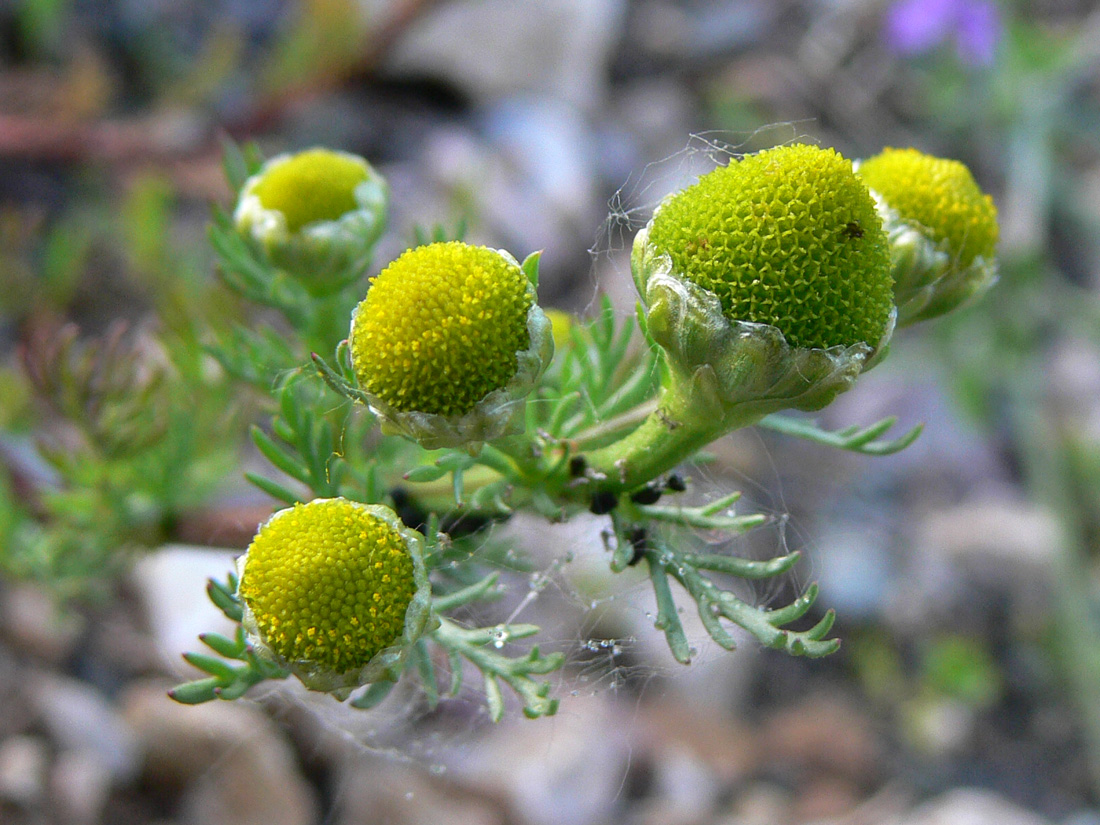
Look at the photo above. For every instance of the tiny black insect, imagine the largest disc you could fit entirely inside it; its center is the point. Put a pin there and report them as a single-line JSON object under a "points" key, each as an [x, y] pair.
{"points": [[603, 502], [577, 466], [853, 229], [407, 509], [650, 494], [675, 483]]}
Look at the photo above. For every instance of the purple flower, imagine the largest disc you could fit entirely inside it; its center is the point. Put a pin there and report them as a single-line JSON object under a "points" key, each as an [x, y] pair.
{"points": [[917, 26]]}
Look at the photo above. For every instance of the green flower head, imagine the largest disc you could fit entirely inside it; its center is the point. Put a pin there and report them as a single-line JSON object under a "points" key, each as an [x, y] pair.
{"points": [[767, 283], [787, 237], [941, 226], [316, 214], [315, 185], [938, 195], [335, 590], [448, 341]]}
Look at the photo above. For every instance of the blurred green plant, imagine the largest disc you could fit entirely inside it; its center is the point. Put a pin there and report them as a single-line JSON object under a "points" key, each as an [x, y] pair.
{"points": [[130, 453], [1029, 117], [111, 438]]}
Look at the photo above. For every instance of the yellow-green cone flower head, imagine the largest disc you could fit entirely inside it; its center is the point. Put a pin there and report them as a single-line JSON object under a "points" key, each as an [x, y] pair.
{"points": [[335, 590], [769, 279], [316, 214], [942, 229], [561, 327], [449, 341]]}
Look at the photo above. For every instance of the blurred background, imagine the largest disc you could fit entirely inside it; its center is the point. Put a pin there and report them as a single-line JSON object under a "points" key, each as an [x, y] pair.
{"points": [[964, 570]]}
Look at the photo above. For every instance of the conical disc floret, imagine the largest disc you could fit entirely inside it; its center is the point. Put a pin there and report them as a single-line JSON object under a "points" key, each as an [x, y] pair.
{"points": [[449, 342], [330, 585]]}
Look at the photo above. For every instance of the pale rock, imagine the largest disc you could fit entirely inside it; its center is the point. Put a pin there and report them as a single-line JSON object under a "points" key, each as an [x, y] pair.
{"points": [[80, 784], [856, 573], [498, 48], [1073, 378], [886, 807], [823, 736], [182, 742], [971, 806], [172, 586], [651, 113], [761, 803], [527, 172], [252, 786], [685, 31], [684, 739], [562, 770], [544, 147], [23, 763], [1000, 531], [684, 789], [234, 763], [82, 720], [375, 789], [826, 797], [34, 624]]}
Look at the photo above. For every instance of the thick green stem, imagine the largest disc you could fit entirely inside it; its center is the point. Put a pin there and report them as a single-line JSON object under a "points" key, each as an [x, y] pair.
{"points": [[670, 435], [654, 448]]}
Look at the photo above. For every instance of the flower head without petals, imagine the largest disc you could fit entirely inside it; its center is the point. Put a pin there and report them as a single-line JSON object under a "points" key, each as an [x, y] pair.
{"points": [[787, 237], [316, 215], [448, 341], [942, 228], [768, 281], [335, 590]]}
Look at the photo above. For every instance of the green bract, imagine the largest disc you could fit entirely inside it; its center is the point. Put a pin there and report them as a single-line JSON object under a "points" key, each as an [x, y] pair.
{"points": [[335, 591], [767, 282], [316, 214], [448, 342], [942, 230]]}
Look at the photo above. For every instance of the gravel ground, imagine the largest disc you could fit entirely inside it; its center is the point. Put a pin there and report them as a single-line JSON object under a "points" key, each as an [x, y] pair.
{"points": [[555, 125]]}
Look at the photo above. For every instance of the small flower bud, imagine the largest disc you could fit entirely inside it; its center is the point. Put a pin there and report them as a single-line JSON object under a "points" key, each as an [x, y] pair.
{"points": [[768, 280], [335, 591], [942, 230], [448, 342], [316, 214]]}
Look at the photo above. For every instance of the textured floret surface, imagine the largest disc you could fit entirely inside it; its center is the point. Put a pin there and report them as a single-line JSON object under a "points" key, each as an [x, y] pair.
{"points": [[315, 185], [328, 584], [787, 237], [939, 195], [440, 328]]}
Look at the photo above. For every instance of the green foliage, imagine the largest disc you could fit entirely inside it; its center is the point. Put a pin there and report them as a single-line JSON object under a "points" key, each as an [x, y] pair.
{"points": [[41, 22], [130, 452], [147, 425], [225, 680], [598, 432], [41, 266]]}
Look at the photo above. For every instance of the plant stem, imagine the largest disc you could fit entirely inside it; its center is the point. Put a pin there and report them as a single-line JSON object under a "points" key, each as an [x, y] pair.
{"points": [[670, 435]]}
